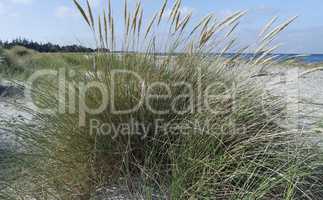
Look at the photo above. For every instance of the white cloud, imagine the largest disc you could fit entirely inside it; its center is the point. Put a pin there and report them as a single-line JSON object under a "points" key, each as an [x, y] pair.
{"points": [[22, 1], [65, 11]]}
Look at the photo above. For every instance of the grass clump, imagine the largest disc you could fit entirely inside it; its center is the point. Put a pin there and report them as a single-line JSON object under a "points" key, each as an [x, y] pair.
{"points": [[18, 55], [219, 139], [20, 62], [15, 59]]}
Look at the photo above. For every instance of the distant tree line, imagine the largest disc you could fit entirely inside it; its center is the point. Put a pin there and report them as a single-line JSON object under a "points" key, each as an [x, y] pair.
{"points": [[45, 47]]}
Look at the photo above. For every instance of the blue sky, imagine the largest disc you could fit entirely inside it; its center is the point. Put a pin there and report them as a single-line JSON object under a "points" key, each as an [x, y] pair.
{"points": [[58, 21]]}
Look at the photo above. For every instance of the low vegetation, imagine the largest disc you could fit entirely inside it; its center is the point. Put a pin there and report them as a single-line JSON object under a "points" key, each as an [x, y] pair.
{"points": [[231, 148], [20, 62]]}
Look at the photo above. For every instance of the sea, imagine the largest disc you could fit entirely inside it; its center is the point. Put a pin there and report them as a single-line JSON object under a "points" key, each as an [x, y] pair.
{"points": [[307, 59], [314, 58], [302, 58]]}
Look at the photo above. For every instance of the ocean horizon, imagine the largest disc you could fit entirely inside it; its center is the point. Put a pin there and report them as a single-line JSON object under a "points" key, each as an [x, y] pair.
{"points": [[303, 58]]}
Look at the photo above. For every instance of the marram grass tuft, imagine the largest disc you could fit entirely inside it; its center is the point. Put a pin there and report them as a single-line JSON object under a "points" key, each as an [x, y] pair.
{"points": [[233, 147]]}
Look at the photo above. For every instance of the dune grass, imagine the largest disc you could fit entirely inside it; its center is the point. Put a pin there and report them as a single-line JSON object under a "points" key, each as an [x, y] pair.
{"points": [[231, 148], [20, 62], [14, 59]]}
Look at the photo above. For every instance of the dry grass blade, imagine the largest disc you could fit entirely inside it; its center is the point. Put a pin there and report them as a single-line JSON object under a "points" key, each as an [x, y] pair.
{"points": [[267, 26], [100, 31], [185, 21], [128, 24], [206, 23], [177, 20], [162, 11], [79, 7], [267, 39], [209, 17], [231, 30], [125, 11], [140, 21], [126, 18], [135, 17], [171, 15], [109, 12], [263, 46], [225, 23], [262, 58], [111, 23], [112, 34], [150, 25], [90, 14], [151, 49], [238, 54], [279, 29], [190, 48], [206, 36], [227, 47], [106, 28], [233, 18], [270, 59], [175, 14]]}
